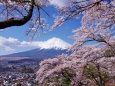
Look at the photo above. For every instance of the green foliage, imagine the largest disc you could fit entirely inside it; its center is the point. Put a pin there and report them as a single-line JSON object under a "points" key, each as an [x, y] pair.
{"points": [[19, 84], [66, 82], [110, 53], [94, 72], [68, 73], [90, 72]]}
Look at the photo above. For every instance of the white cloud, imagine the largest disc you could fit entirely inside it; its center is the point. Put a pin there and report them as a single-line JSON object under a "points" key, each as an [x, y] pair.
{"points": [[9, 43], [59, 3]]}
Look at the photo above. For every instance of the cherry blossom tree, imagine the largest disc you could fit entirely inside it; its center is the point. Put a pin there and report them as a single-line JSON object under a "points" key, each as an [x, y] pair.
{"points": [[75, 8], [93, 59], [20, 12], [88, 69], [92, 62]]}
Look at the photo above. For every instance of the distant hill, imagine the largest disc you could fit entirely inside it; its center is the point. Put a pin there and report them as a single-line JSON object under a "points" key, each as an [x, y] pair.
{"points": [[21, 61], [38, 53]]}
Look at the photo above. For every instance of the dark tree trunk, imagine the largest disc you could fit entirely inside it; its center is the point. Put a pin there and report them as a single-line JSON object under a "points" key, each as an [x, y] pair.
{"points": [[19, 22]]}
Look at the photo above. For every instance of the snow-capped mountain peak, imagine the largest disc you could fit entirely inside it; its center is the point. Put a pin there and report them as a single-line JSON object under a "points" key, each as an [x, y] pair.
{"points": [[54, 43]]}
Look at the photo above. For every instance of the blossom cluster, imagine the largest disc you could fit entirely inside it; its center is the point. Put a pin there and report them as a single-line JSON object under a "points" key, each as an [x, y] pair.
{"points": [[93, 57]]}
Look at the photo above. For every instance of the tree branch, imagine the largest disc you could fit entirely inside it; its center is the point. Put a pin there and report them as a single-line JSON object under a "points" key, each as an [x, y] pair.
{"points": [[19, 22]]}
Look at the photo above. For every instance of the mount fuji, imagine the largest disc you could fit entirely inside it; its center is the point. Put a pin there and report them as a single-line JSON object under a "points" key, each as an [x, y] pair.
{"points": [[53, 43], [46, 49]]}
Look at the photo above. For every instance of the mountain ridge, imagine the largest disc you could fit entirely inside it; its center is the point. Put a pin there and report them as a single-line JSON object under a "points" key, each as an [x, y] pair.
{"points": [[38, 53], [46, 49]]}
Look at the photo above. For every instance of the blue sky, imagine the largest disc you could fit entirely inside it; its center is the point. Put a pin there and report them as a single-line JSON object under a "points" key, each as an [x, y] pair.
{"points": [[63, 32]]}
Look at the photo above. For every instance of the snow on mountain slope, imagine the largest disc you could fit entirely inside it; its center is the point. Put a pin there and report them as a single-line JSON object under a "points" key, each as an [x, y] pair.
{"points": [[55, 43]]}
